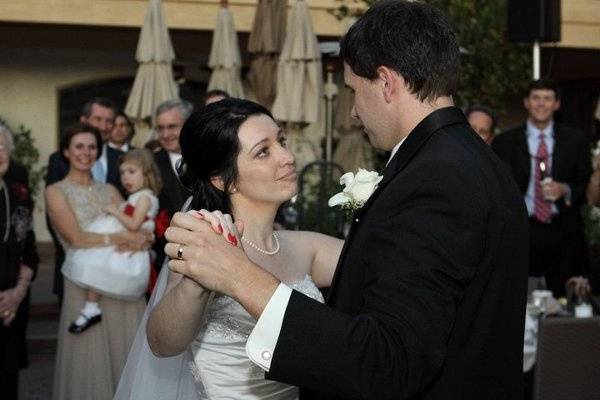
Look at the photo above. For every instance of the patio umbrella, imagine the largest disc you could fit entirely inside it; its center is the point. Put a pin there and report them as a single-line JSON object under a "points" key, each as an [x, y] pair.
{"points": [[264, 44], [225, 59], [154, 81], [353, 150], [299, 82], [299, 76]]}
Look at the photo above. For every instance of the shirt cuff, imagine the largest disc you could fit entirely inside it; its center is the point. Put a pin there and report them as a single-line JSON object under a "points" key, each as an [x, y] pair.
{"points": [[263, 338]]}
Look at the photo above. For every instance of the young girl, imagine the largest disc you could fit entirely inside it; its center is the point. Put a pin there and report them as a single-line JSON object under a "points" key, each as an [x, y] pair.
{"points": [[104, 270]]}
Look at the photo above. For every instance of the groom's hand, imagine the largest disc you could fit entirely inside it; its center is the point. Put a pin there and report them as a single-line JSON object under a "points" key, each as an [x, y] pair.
{"points": [[199, 250]]}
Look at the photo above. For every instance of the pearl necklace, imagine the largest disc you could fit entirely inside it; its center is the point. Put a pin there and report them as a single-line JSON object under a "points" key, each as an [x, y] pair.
{"points": [[255, 247]]}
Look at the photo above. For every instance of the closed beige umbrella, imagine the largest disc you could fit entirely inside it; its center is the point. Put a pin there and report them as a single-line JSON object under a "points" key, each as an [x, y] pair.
{"points": [[353, 150], [225, 59], [154, 81], [264, 44], [299, 82], [299, 74]]}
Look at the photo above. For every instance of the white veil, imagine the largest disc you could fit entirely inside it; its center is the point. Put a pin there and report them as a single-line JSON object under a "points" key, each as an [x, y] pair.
{"points": [[147, 377]]}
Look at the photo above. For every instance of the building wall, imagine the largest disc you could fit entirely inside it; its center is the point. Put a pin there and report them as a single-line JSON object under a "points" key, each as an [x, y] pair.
{"points": [[30, 80], [179, 14], [580, 24]]}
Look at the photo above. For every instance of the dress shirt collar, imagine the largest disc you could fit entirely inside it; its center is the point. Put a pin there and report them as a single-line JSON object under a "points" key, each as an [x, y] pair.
{"points": [[124, 148], [174, 157], [395, 150], [535, 131]]}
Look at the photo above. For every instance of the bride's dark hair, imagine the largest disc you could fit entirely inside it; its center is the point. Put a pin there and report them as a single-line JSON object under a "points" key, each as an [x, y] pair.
{"points": [[209, 148]]}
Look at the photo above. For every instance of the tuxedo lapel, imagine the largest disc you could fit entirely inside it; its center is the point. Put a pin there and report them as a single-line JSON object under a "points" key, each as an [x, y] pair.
{"points": [[411, 146], [523, 160]]}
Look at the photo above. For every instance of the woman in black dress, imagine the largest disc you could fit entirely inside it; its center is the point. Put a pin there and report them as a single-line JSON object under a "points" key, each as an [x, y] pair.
{"points": [[18, 263]]}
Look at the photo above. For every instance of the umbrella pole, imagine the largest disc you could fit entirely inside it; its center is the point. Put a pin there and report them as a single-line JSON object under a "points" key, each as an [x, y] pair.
{"points": [[330, 91]]}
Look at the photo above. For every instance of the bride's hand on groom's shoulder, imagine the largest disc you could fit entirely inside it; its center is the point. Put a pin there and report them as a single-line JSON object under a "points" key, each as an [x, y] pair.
{"points": [[205, 246]]}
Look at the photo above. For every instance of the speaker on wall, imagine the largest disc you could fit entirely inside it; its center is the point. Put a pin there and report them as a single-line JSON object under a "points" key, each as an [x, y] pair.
{"points": [[534, 20]]}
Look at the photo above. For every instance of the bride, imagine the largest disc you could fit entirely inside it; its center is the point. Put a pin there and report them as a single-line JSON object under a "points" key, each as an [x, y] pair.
{"points": [[236, 162]]}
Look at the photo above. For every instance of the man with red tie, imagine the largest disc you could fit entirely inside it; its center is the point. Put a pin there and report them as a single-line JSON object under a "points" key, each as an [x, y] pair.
{"points": [[551, 164]]}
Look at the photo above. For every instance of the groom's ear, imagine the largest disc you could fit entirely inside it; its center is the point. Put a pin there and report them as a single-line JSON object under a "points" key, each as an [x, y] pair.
{"points": [[389, 82], [217, 182]]}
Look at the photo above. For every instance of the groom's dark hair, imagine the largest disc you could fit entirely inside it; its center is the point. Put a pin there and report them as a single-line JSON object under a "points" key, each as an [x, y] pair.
{"points": [[210, 147], [412, 38]]}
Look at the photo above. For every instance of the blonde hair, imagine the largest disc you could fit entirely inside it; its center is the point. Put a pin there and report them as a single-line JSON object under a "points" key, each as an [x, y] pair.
{"points": [[144, 159]]}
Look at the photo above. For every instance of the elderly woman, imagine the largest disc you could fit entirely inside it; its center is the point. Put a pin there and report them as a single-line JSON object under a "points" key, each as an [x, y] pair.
{"points": [[18, 263], [88, 365]]}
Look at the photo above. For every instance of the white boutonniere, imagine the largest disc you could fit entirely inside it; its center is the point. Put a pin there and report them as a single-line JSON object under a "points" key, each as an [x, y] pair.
{"points": [[358, 188]]}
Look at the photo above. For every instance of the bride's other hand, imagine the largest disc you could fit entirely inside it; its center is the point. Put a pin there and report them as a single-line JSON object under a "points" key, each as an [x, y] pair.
{"points": [[202, 255], [221, 223]]}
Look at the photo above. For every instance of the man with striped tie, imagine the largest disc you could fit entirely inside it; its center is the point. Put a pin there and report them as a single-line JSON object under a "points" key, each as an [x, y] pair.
{"points": [[551, 164]]}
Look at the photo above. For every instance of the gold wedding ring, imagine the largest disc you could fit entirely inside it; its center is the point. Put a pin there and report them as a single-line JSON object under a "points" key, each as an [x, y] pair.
{"points": [[180, 252]]}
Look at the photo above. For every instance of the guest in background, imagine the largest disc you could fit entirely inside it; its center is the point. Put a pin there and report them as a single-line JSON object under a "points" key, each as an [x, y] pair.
{"points": [[169, 118], [551, 164], [99, 112], [122, 133], [483, 121], [88, 366], [18, 264], [212, 96]]}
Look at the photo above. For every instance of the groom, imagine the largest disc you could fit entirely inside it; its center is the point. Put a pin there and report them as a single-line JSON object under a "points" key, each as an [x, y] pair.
{"points": [[428, 298]]}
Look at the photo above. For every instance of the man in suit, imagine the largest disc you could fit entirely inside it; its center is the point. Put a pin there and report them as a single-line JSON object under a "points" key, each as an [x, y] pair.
{"points": [[551, 165], [99, 112], [169, 118], [428, 298]]}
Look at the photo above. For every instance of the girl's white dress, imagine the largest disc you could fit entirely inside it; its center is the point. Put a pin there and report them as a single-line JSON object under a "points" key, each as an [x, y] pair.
{"points": [[103, 269]]}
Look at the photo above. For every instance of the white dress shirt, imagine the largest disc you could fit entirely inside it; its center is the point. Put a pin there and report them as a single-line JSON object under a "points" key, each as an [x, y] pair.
{"points": [[263, 338], [100, 167], [174, 157]]}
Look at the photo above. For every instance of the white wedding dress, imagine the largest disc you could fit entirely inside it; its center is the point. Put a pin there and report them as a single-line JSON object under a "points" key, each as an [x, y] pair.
{"points": [[215, 366], [221, 368]]}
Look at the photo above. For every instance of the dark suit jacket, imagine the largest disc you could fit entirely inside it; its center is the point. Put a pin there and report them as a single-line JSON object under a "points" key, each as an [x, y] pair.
{"points": [[57, 169], [428, 298], [113, 176], [171, 197], [570, 164], [20, 249]]}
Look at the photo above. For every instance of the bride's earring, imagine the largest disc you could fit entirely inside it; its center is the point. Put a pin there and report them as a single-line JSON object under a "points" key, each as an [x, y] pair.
{"points": [[233, 190]]}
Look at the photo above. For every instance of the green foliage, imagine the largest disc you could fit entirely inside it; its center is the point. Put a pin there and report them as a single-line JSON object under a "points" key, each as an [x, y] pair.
{"points": [[493, 69], [27, 155]]}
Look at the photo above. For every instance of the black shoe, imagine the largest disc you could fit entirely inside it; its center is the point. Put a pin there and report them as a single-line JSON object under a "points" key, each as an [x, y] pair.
{"points": [[74, 328]]}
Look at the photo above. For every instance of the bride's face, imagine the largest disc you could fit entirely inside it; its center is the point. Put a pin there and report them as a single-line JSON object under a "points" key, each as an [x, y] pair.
{"points": [[266, 170]]}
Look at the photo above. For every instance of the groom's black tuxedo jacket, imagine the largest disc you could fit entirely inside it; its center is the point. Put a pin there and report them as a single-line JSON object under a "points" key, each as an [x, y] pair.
{"points": [[428, 299]]}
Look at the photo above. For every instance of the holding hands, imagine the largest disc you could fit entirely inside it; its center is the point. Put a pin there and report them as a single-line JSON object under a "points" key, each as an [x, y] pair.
{"points": [[198, 251], [206, 247]]}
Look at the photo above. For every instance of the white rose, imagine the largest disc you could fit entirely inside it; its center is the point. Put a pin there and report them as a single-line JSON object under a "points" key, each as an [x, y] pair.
{"points": [[363, 185], [357, 188]]}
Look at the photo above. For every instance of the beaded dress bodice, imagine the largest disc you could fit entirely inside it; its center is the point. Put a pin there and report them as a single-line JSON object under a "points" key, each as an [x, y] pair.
{"points": [[87, 202], [221, 367]]}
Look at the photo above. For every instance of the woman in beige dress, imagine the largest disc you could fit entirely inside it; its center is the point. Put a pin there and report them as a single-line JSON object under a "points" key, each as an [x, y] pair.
{"points": [[89, 364]]}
